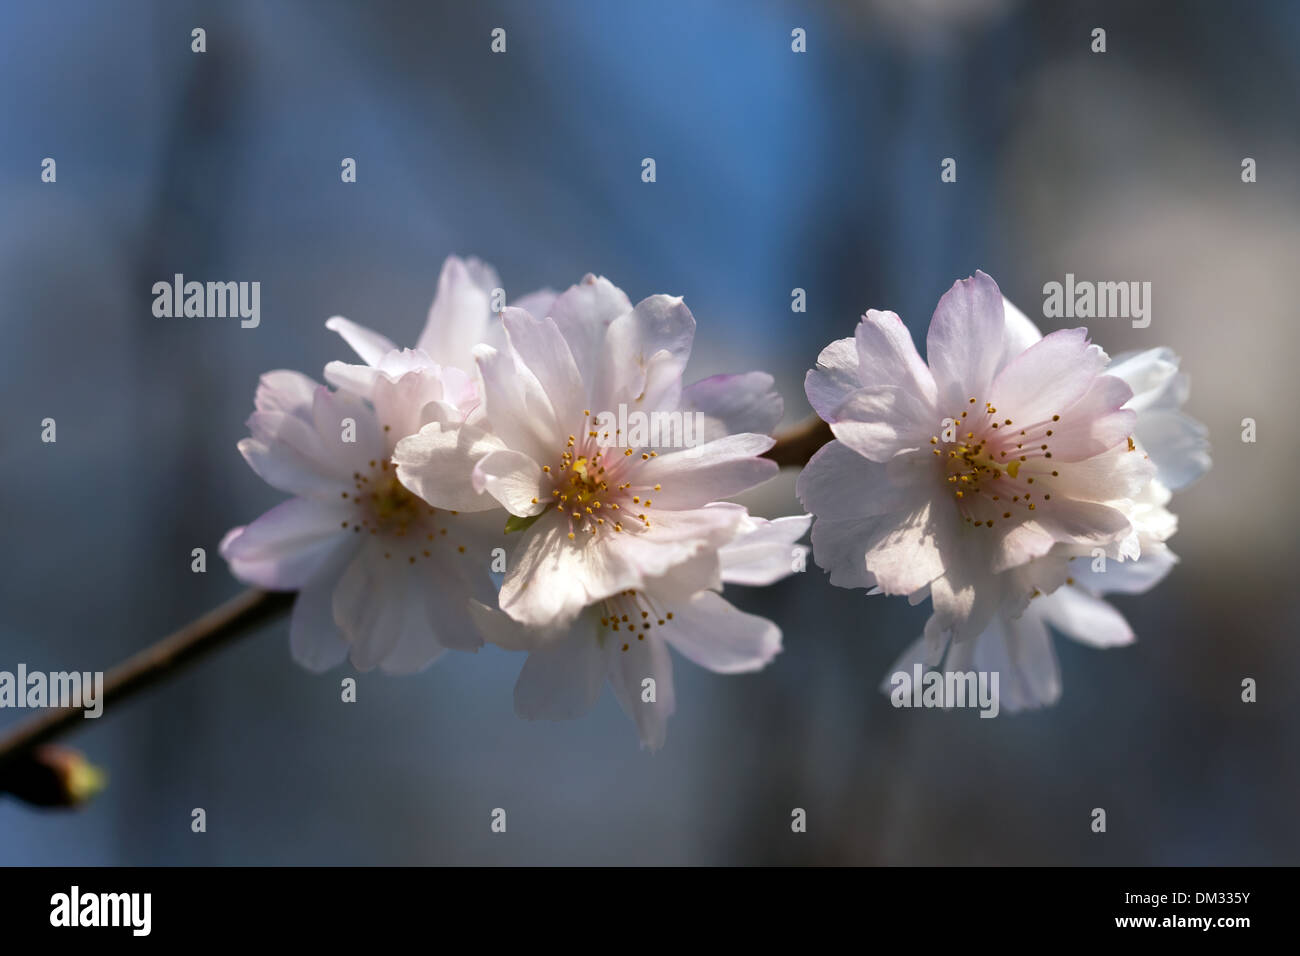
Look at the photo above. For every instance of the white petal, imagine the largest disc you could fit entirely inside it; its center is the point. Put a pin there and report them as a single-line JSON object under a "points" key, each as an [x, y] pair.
{"points": [[583, 314], [1086, 618], [879, 422], [437, 464], [964, 343], [644, 356], [544, 352], [513, 479], [834, 379], [839, 483], [368, 344], [645, 659], [563, 680], [1049, 377], [887, 356], [767, 553], [732, 404], [314, 639], [693, 477], [460, 313], [284, 548], [712, 633]]}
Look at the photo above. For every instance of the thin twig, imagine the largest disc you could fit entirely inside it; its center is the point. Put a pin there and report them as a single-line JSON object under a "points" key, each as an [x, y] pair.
{"points": [[27, 766], [21, 756]]}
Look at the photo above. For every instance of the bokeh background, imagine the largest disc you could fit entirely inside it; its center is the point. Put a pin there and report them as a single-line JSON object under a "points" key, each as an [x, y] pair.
{"points": [[775, 171]]}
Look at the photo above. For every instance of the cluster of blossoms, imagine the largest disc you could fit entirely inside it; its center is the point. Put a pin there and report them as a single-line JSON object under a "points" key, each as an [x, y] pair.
{"points": [[1013, 480], [462, 491]]}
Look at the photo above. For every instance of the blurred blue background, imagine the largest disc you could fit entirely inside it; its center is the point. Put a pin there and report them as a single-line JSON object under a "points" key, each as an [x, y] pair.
{"points": [[775, 170]]}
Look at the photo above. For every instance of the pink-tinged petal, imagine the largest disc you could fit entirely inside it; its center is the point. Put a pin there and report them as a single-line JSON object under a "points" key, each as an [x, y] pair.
{"points": [[644, 356], [1018, 334], [733, 404], [628, 670], [1112, 474], [461, 310], [350, 438], [1124, 577], [543, 351], [282, 466], [513, 479], [903, 550], [693, 477], [371, 606], [285, 547], [563, 680], [583, 314], [513, 401], [766, 554], [537, 304], [839, 546], [314, 639], [1095, 423], [1020, 652], [712, 633], [964, 344], [880, 422], [552, 578], [499, 628], [1153, 376], [1085, 618], [1177, 445], [887, 356], [834, 379], [437, 464], [438, 618], [357, 379], [682, 581], [838, 483], [289, 393], [367, 343], [1049, 377], [399, 403], [1086, 524]]}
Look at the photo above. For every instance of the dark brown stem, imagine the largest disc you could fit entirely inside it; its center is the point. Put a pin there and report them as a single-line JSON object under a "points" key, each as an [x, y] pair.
{"points": [[34, 772], [22, 758], [795, 447]]}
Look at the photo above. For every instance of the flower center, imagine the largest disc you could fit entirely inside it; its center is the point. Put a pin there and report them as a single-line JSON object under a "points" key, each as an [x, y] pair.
{"points": [[994, 468], [591, 484], [385, 508], [630, 614]]}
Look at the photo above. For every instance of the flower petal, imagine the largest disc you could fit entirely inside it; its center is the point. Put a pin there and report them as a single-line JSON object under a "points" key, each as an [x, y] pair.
{"points": [[563, 680], [437, 463], [367, 343], [284, 548], [733, 404], [765, 554], [712, 633], [461, 310], [693, 477], [1086, 618], [964, 343], [887, 356], [628, 671], [834, 378]]}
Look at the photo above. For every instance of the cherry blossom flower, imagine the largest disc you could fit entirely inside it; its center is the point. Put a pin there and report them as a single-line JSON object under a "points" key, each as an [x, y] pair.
{"points": [[597, 514], [1020, 648], [382, 577], [460, 318], [950, 480], [623, 639]]}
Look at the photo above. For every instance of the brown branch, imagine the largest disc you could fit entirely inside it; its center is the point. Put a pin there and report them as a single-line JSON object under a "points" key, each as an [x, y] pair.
{"points": [[796, 446], [26, 766], [46, 775]]}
